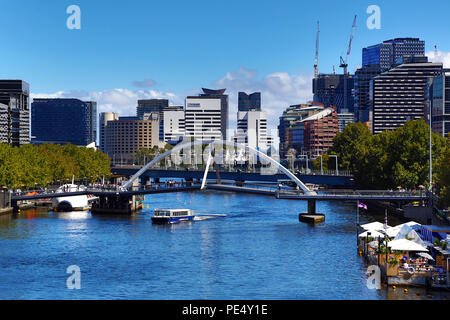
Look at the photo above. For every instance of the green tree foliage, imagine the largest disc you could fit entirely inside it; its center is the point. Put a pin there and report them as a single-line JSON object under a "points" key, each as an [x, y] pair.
{"points": [[443, 174], [32, 165], [390, 159]]}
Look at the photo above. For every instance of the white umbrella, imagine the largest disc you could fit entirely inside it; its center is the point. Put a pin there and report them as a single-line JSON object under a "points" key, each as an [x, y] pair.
{"points": [[425, 255], [373, 233], [405, 245], [373, 226]]}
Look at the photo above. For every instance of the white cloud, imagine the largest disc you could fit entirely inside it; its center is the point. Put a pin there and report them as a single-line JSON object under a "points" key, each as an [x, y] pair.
{"points": [[122, 101], [278, 91], [441, 56]]}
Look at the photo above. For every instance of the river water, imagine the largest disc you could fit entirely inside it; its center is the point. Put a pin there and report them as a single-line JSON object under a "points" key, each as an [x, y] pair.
{"points": [[259, 251]]}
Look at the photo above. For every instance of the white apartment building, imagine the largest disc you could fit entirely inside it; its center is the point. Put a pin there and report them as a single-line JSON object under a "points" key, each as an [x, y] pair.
{"points": [[174, 126], [203, 118], [104, 118], [252, 130]]}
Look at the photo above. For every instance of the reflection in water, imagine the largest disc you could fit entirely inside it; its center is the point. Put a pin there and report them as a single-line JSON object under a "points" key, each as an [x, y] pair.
{"points": [[73, 215], [259, 251]]}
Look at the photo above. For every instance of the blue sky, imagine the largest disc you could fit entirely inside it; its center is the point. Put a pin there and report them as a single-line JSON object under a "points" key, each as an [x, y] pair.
{"points": [[185, 45]]}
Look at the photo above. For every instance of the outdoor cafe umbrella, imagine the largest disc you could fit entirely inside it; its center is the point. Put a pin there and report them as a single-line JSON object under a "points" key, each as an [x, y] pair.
{"points": [[425, 255], [373, 233], [373, 226], [405, 245]]}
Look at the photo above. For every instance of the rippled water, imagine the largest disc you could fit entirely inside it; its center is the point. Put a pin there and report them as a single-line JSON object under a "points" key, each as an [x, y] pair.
{"points": [[259, 251]]}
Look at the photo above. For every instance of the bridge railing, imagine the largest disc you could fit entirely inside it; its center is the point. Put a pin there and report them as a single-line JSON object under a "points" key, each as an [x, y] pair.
{"points": [[369, 193], [302, 171]]}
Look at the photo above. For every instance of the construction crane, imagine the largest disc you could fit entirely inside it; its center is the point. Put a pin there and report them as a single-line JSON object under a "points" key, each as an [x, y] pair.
{"points": [[316, 61], [344, 63]]}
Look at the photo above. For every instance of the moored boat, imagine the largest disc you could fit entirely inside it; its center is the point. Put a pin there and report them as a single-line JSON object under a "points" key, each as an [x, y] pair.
{"points": [[70, 203]]}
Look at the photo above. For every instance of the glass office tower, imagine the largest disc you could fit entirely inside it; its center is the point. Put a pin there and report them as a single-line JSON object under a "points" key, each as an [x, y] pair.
{"points": [[63, 121]]}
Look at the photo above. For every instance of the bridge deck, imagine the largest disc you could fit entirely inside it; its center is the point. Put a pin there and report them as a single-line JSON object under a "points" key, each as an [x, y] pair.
{"points": [[255, 189]]}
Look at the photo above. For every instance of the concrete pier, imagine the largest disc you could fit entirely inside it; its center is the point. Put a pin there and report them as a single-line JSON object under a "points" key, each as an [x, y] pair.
{"points": [[311, 216], [117, 204]]}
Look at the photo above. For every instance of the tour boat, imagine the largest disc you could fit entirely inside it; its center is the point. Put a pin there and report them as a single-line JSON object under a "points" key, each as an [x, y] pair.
{"points": [[169, 216], [71, 203]]}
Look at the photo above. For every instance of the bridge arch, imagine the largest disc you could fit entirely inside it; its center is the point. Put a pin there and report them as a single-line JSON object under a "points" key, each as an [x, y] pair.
{"points": [[178, 147]]}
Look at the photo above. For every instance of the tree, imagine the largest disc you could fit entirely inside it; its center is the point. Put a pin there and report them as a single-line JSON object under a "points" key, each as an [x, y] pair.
{"points": [[443, 174]]}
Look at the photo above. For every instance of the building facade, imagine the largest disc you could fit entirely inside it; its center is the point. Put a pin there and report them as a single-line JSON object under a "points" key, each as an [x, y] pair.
{"points": [[400, 94], [63, 121], [439, 102], [174, 125], [291, 128], [15, 94], [320, 130], [344, 119], [206, 115], [127, 135], [104, 118], [377, 59], [388, 53], [335, 90], [252, 130], [248, 102], [363, 76]]}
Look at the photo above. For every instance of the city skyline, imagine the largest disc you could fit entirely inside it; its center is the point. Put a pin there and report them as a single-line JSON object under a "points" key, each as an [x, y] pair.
{"points": [[117, 58]]}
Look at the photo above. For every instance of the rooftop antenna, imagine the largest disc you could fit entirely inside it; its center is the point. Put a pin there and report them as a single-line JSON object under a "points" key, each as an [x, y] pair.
{"points": [[436, 53], [316, 60]]}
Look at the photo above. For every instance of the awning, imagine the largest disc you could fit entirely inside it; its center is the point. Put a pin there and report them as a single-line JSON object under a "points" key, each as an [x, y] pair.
{"points": [[373, 233], [405, 245], [425, 255], [373, 226]]}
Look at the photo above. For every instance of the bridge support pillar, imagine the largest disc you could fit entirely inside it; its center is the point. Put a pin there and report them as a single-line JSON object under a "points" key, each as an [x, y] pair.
{"points": [[311, 206], [311, 216], [117, 204]]}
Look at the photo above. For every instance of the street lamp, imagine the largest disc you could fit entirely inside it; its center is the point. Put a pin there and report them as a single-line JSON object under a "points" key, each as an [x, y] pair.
{"points": [[332, 155], [321, 164]]}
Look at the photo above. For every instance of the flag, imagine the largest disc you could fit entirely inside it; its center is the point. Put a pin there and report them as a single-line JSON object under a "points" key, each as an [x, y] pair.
{"points": [[362, 205]]}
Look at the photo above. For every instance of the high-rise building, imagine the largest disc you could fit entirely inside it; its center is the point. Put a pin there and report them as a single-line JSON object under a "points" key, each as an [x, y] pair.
{"points": [[389, 53], [15, 95], [439, 102], [334, 90], [104, 118], [252, 130], [400, 94], [248, 102], [174, 126], [127, 135], [63, 121], [150, 105], [363, 76], [206, 115], [344, 119], [320, 130], [94, 121], [377, 59], [291, 128], [4, 124]]}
